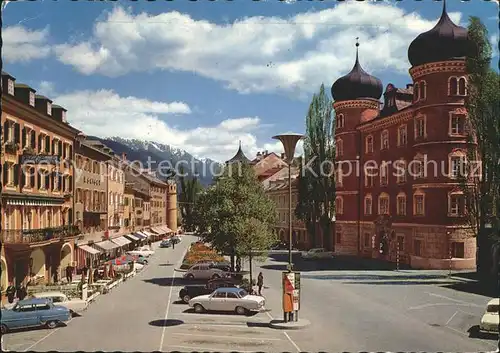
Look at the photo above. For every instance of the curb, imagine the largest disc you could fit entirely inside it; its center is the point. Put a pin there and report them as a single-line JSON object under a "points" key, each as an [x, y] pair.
{"points": [[293, 325]]}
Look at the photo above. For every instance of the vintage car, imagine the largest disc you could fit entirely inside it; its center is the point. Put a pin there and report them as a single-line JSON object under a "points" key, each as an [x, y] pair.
{"points": [[165, 243], [228, 299], [316, 254], [75, 306], [205, 271], [144, 251], [489, 321], [194, 290], [33, 313]]}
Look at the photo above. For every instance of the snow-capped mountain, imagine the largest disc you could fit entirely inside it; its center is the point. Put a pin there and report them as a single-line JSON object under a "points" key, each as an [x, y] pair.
{"points": [[164, 156]]}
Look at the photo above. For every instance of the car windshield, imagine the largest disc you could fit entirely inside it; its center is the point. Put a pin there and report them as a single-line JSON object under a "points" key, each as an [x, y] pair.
{"points": [[492, 308], [243, 293]]}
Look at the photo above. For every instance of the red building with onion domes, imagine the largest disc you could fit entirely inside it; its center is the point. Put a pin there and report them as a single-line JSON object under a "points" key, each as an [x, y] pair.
{"points": [[405, 201]]}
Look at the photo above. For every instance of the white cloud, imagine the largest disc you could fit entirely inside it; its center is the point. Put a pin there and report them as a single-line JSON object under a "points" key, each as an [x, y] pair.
{"points": [[494, 45], [46, 88], [104, 113], [255, 54], [22, 45]]}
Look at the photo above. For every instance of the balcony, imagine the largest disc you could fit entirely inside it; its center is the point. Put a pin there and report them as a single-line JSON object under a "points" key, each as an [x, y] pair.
{"points": [[95, 208], [29, 236], [11, 147]]}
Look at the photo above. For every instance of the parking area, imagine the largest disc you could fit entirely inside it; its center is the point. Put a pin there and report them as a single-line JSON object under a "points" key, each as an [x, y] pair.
{"points": [[186, 330]]}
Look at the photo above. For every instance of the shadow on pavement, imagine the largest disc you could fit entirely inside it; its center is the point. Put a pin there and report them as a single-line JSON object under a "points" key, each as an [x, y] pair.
{"points": [[475, 333], [169, 281], [179, 302], [400, 283], [381, 277], [474, 288], [166, 265], [191, 311], [257, 324], [166, 323]]}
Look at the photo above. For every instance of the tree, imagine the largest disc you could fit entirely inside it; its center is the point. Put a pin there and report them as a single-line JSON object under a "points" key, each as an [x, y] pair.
{"points": [[234, 215], [189, 191], [481, 181], [316, 190]]}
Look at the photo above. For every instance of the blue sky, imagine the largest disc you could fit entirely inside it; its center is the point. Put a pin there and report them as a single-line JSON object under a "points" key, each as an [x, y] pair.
{"points": [[203, 75]]}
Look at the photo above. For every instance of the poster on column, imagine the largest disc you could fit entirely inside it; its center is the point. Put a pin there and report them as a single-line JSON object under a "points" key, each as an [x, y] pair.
{"points": [[288, 285]]}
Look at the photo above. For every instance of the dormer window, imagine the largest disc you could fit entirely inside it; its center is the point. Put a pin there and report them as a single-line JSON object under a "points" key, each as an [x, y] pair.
{"points": [[10, 87], [49, 108], [63, 116], [32, 99]]}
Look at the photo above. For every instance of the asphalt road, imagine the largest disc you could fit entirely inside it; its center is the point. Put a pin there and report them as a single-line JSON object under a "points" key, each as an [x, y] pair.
{"points": [[350, 310]]}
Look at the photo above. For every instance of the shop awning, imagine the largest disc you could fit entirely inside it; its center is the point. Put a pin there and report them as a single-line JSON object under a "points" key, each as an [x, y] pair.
{"points": [[157, 230], [144, 234], [166, 229], [88, 249], [140, 235], [107, 245], [148, 233], [132, 237], [121, 241]]}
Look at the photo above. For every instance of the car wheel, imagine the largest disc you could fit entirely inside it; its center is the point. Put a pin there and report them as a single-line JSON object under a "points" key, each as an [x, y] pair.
{"points": [[190, 276], [4, 329], [215, 276], [198, 308], [186, 298], [240, 310], [51, 324]]}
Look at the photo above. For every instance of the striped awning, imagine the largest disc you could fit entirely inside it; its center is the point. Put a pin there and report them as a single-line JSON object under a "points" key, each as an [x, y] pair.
{"points": [[121, 241], [140, 235], [132, 237], [107, 245], [166, 229], [88, 249], [148, 233]]}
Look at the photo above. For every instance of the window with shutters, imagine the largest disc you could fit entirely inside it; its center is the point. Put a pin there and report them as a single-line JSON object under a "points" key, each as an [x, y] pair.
{"points": [[456, 204], [55, 147], [370, 174], [368, 205], [456, 164], [49, 108], [402, 136], [47, 144], [32, 99], [420, 127], [401, 205], [383, 204], [419, 203], [384, 140], [457, 124], [369, 144], [10, 87]]}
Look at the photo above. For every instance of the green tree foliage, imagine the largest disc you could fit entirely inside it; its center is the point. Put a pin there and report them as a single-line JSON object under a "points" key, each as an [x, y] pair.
{"points": [[234, 215], [190, 188], [316, 189], [481, 182]]}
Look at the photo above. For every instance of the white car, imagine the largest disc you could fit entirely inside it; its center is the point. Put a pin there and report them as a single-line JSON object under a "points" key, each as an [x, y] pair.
{"points": [[144, 251], [489, 321], [205, 271], [74, 305], [317, 253], [228, 299]]}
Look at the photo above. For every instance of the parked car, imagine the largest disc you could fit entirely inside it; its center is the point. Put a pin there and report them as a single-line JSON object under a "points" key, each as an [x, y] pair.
{"points": [[228, 299], [317, 253], [205, 271], [144, 251], [165, 243], [224, 266], [489, 321], [75, 306], [33, 313], [139, 259], [194, 290]]}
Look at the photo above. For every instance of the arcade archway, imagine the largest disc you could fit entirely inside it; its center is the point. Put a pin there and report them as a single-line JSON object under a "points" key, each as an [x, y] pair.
{"points": [[38, 268], [4, 279], [66, 256]]}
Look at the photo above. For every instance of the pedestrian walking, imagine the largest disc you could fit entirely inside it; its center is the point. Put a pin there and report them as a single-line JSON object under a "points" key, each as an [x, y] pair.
{"points": [[21, 292], [11, 292], [55, 276], [69, 274], [173, 243], [260, 282]]}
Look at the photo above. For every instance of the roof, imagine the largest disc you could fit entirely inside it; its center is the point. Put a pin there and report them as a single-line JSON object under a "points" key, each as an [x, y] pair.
{"points": [[239, 157], [23, 85], [39, 96], [34, 301]]}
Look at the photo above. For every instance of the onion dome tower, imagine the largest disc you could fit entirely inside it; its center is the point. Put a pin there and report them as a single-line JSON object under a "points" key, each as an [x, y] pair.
{"points": [[239, 157], [357, 84], [445, 41]]}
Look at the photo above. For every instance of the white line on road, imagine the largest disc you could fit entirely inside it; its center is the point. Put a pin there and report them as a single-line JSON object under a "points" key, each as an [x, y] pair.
{"points": [[451, 318], [44, 337], [286, 335], [443, 304], [169, 300], [448, 298], [234, 337], [204, 349]]}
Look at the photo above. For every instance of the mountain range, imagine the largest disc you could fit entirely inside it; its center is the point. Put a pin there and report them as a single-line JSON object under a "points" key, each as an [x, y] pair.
{"points": [[164, 156]]}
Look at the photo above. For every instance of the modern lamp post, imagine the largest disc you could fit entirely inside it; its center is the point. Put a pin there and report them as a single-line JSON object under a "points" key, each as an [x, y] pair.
{"points": [[289, 142]]}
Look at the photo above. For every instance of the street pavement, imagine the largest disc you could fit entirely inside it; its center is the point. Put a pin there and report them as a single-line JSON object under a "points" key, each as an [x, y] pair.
{"points": [[349, 310]]}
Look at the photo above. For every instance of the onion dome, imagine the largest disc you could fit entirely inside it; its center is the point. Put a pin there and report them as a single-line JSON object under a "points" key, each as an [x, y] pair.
{"points": [[239, 157], [357, 84], [446, 41]]}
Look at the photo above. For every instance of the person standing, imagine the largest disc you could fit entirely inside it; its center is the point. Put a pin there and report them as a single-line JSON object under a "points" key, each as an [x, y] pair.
{"points": [[21, 292], [11, 292], [69, 274], [260, 282]]}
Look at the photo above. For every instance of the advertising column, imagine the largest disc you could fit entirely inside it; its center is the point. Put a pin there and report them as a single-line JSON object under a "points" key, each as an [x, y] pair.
{"points": [[291, 295]]}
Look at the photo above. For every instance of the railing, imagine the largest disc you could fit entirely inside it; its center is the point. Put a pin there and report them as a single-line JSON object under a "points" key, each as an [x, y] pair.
{"points": [[96, 209], [20, 236]]}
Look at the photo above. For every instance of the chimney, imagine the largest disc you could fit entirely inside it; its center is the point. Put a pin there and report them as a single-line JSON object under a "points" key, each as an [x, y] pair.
{"points": [[124, 156]]}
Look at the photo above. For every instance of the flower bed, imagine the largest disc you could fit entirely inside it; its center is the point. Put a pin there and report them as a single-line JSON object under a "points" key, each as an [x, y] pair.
{"points": [[199, 252]]}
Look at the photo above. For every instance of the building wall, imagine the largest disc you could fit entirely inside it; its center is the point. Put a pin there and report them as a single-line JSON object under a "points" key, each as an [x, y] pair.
{"points": [[129, 210], [158, 204], [426, 239], [116, 190], [172, 206]]}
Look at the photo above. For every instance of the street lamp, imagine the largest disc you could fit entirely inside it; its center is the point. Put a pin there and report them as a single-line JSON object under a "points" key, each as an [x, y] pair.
{"points": [[289, 141]]}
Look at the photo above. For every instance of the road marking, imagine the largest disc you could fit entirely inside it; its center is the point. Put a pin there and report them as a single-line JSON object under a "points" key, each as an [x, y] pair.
{"points": [[44, 337], [286, 334], [208, 348], [443, 304], [169, 300], [445, 297], [236, 337], [451, 318]]}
